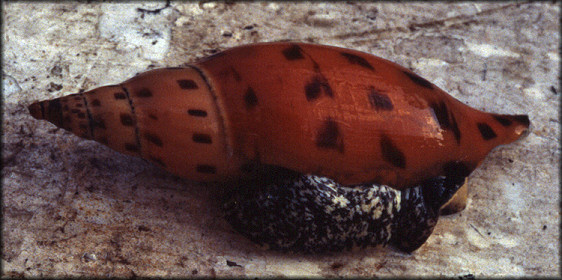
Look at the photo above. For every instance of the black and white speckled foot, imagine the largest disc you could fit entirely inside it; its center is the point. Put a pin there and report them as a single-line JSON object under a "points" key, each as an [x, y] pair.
{"points": [[308, 213]]}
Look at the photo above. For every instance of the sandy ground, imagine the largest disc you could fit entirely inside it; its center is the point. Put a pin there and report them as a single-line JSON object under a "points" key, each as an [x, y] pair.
{"points": [[76, 208]]}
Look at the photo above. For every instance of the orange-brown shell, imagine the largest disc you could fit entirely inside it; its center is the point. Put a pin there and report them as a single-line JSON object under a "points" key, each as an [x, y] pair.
{"points": [[323, 110]]}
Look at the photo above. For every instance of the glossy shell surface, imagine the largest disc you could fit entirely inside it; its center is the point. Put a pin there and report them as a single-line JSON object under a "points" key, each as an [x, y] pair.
{"points": [[343, 114]]}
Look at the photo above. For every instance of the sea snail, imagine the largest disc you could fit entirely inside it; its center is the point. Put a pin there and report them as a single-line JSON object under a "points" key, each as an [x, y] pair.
{"points": [[347, 116]]}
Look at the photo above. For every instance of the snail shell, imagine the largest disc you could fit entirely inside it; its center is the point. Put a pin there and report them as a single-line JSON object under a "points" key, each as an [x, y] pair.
{"points": [[328, 111]]}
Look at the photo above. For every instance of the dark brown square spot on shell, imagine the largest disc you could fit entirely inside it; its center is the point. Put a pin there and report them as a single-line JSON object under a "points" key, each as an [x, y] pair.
{"points": [[486, 131], [391, 153], [187, 84], [455, 128], [357, 60], [524, 119], [154, 139], [144, 92], [418, 80], [293, 52], [329, 136], [445, 119], [379, 100], [507, 120], [316, 86], [126, 119], [502, 120], [197, 113], [441, 114], [120, 95], [250, 98]]}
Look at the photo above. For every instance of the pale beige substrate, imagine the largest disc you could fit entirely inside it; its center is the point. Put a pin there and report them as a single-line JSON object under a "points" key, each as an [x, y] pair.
{"points": [[75, 208]]}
